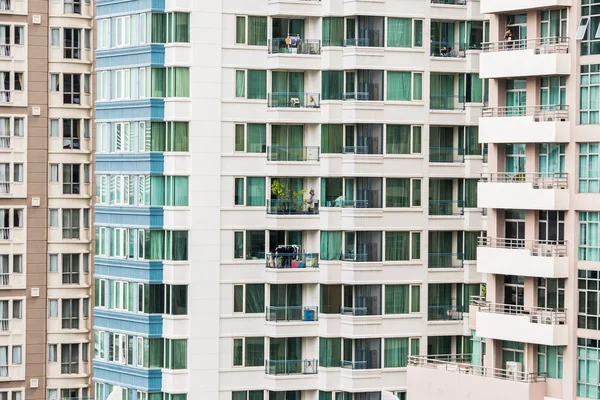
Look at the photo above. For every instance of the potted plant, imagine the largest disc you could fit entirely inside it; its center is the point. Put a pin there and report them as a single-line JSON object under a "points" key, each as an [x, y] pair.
{"points": [[291, 202]]}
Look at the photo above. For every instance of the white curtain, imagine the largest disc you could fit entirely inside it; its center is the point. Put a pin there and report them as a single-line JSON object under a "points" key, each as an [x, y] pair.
{"points": [[16, 355]]}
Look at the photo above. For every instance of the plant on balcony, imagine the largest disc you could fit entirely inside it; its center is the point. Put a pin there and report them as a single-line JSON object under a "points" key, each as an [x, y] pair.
{"points": [[291, 202]]}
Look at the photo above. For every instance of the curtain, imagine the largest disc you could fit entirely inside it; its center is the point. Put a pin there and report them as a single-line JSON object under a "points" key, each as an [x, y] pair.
{"points": [[332, 85], [180, 245], [476, 88], [398, 86], [470, 200], [331, 245], [255, 298], [255, 191], [333, 31], [440, 249], [330, 299], [397, 192], [397, 246], [330, 352], [180, 132], [159, 28], [181, 82], [157, 244], [179, 353], [415, 300], [397, 139], [396, 299], [470, 252], [325, 395], [395, 352], [417, 86], [159, 82], [257, 31], [332, 138], [472, 145], [238, 395], [257, 84], [256, 395], [331, 191], [240, 32], [240, 83], [255, 352], [399, 32], [158, 136], [257, 138], [416, 139], [157, 190], [182, 27], [439, 300]]}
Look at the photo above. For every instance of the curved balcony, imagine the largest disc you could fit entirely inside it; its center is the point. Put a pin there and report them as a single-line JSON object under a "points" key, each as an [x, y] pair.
{"points": [[525, 124], [533, 258], [528, 191], [535, 57], [521, 323]]}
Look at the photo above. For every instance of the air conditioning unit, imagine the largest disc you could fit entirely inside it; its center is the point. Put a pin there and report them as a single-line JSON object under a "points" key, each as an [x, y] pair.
{"points": [[514, 370]]}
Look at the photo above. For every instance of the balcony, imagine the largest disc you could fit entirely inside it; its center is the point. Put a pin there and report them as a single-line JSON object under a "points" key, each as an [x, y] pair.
{"points": [[292, 207], [535, 57], [523, 191], [292, 268], [526, 124], [533, 258], [446, 155], [455, 378], [294, 54], [496, 7], [294, 100], [292, 367], [521, 323], [446, 207], [292, 313], [448, 49], [447, 313], [293, 153], [291, 321], [295, 7]]}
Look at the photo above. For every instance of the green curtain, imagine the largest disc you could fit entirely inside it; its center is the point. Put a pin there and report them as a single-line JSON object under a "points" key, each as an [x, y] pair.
{"points": [[182, 27], [470, 190], [157, 190], [395, 352], [470, 252], [417, 86], [418, 36], [240, 83], [238, 395], [158, 136], [397, 299], [180, 245], [441, 92], [255, 298], [240, 137], [331, 191], [440, 249], [415, 300], [397, 246], [257, 138], [331, 245], [257, 84], [332, 138], [179, 353], [181, 82], [397, 139], [476, 89], [256, 395], [159, 82], [255, 352], [333, 31], [159, 28], [257, 31], [416, 139], [332, 83], [472, 145], [330, 352], [416, 193], [255, 191], [157, 241], [399, 32], [325, 395], [180, 136], [397, 192], [398, 86]]}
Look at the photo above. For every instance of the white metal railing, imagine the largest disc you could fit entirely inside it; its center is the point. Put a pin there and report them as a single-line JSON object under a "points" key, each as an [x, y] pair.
{"points": [[537, 248], [539, 180], [549, 45], [537, 315], [461, 363], [540, 113]]}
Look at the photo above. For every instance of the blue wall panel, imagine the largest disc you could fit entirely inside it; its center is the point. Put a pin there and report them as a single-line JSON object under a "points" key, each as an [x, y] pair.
{"points": [[149, 325], [106, 8], [130, 163], [138, 270], [130, 216], [130, 110], [132, 56], [147, 380]]}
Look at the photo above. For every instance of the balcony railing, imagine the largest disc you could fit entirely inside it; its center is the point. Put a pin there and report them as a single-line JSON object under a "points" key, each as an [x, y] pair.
{"points": [[355, 150], [294, 100], [353, 364], [354, 311], [292, 207], [356, 257], [446, 207], [289, 367], [537, 315], [375, 95], [447, 49], [292, 313], [537, 248], [293, 45], [445, 260], [445, 313], [547, 113], [446, 102], [292, 260], [538, 180], [462, 364], [293, 153], [446, 154], [547, 45], [451, 2]]}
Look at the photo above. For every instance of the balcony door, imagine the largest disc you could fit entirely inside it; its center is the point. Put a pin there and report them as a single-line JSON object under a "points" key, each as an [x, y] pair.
{"points": [[514, 292], [517, 23], [284, 27], [287, 89], [551, 227], [285, 355], [287, 142], [514, 228], [515, 158], [553, 24], [516, 97]]}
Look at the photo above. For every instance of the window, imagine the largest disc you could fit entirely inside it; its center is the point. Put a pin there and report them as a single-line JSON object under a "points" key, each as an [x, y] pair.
{"points": [[72, 6], [70, 314], [247, 395], [17, 309], [19, 82], [398, 246], [54, 83], [69, 358], [332, 85], [404, 86], [72, 89], [19, 127], [17, 263], [397, 350], [122, 84], [249, 352], [178, 82], [53, 308], [402, 139], [588, 360], [255, 35], [176, 353], [52, 353], [254, 87], [18, 172], [70, 223], [86, 83], [55, 37], [19, 35], [123, 31], [250, 245], [100, 292], [53, 263], [398, 192], [254, 300], [333, 31], [17, 355], [588, 316], [71, 178], [250, 191], [400, 32], [240, 83], [589, 247], [72, 43], [178, 27], [330, 352], [550, 361], [402, 299], [589, 168], [589, 94], [70, 269]]}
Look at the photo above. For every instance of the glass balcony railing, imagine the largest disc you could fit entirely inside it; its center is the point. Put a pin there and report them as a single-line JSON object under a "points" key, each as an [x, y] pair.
{"points": [[340, 202], [549, 45], [294, 100], [537, 248], [445, 313], [355, 150], [446, 155], [293, 153], [292, 207], [446, 207], [445, 260], [538, 180], [446, 102], [354, 364], [540, 113], [536, 315], [291, 367], [448, 49], [292, 313], [450, 2], [292, 260], [294, 45], [354, 311]]}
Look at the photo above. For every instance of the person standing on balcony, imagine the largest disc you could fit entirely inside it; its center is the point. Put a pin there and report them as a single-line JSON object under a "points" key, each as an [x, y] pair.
{"points": [[508, 37]]}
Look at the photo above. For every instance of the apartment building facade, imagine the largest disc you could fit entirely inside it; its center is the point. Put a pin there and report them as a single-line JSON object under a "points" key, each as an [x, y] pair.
{"points": [[45, 150], [537, 324], [286, 203]]}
